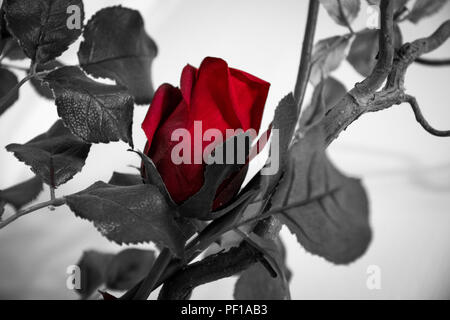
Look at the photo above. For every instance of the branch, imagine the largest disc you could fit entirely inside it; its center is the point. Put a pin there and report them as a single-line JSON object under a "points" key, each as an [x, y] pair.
{"points": [[410, 52], [55, 203], [305, 59], [352, 105], [360, 100], [433, 63], [386, 52], [217, 266], [212, 268], [420, 118]]}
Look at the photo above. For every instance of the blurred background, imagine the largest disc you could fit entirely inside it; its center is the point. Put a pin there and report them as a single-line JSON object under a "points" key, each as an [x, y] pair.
{"points": [[406, 170]]}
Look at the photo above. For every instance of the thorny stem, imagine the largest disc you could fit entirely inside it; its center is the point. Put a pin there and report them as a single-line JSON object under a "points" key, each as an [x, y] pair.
{"points": [[420, 118], [55, 203]]}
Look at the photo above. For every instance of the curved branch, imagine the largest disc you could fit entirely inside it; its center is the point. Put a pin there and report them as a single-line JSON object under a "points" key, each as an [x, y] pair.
{"points": [[434, 63], [410, 52], [423, 122], [355, 103]]}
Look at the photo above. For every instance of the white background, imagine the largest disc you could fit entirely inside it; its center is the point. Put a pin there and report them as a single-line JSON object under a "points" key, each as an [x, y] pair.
{"points": [[406, 171]]}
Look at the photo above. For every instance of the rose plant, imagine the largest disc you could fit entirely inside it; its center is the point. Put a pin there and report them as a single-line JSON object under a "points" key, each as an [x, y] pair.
{"points": [[185, 208]]}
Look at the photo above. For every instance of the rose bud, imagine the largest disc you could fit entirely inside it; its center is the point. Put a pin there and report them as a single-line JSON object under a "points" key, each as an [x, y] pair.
{"points": [[221, 98]]}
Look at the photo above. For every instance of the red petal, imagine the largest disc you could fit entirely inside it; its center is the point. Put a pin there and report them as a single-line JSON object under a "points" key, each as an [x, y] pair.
{"points": [[211, 101], [250, 95], [165, 100], [187, 82]]}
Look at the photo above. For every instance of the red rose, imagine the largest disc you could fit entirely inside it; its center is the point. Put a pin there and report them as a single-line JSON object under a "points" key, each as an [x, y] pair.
{"points": [[219, 96]]}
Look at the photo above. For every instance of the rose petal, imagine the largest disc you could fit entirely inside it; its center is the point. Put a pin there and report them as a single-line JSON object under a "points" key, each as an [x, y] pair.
{"points": [[187, 82], [165, 100], [211, 101], [250, 95]]}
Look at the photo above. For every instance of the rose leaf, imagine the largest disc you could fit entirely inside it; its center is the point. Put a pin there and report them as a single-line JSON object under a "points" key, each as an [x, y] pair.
{"points": [[55, 156]]}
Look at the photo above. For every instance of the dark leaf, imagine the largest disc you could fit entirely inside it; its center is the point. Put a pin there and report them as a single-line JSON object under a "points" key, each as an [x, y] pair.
{"points": [[285, 120], [364, 49], [326, 94], [41, 26], [342, 11], [9, 46], [269, 250], [40, 86], [128, 267], [256, 283], [117, 271], [131, 214], [316, 110], [22, 193], [2, 208], [12, 50], [125, 179], [8, 81], [55, 156], [116, 46], [200, 204], [94, 111], [152, 176], [425, 8], [4, 33], [335, 222], [333, 92], [93, 266], [327, 56]]}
